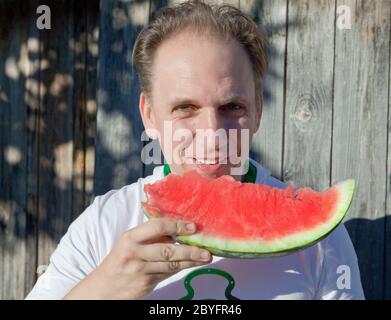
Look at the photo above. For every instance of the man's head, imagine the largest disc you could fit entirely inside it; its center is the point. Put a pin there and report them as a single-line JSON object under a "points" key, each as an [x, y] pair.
{"points": [[201, 70]]}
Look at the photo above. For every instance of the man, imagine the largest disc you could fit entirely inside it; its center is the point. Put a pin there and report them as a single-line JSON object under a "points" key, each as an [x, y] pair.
{"points": [[200, 70]]}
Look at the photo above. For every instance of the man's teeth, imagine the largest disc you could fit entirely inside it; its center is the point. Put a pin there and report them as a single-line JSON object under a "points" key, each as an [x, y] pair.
{"points": [[202, 161]]}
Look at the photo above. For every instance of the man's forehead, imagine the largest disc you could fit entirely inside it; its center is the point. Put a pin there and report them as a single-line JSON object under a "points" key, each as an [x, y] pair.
{"points": [[207, 73], [190, 58], [206, 66]]}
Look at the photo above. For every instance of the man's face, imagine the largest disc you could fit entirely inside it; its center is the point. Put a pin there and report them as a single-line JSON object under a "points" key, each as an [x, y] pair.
{"points": [[202, 90]]}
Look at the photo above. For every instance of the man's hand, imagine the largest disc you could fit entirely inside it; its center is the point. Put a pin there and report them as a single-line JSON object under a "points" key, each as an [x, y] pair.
{"points": [[142, 257]]}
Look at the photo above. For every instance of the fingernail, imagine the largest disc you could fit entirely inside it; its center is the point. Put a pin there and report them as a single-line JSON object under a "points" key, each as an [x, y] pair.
{"points": [[190, 226], [204, 255]]}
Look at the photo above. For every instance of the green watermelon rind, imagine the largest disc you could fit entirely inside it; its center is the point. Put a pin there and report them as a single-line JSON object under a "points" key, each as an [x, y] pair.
{"points": [[289, 244]]}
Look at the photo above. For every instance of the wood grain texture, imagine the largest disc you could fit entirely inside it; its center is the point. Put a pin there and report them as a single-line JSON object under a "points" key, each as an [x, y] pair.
{"points": [[387, 237], [119, 125], [59, 50], [33, 127], [17, 190], [360, 131], [47, 99], [91, 78], [85, 38], [67, 94], [307, 139], [13, 162], [271, 17]]}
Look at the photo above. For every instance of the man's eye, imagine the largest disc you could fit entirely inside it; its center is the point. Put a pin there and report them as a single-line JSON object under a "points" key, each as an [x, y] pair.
{"points": [[233, 107], [184, 108]]}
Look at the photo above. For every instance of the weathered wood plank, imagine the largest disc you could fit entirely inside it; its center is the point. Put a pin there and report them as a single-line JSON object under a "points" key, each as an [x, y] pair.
{"points": [[17, 47], [33, 127], [79, 44], [360, 131], [271, 16], [66, 103], [310, 51], [84, 102], [56, 137], [27, 106], [91, 58], [119, 125], [154, 6], [12, 182], [387, 238]]}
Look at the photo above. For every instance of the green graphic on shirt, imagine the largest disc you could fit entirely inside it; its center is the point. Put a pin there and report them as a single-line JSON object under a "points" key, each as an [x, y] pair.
{"points": [[198, 272]]}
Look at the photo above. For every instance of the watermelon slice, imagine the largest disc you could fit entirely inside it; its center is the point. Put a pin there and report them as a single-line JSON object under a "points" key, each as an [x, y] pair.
{"points": [[247, 220]]}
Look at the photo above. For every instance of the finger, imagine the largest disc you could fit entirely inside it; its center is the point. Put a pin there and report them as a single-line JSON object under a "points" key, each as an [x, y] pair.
{"points": [[162, 239], [158, 227], [159, 277], [170, 267], [172, 252]]}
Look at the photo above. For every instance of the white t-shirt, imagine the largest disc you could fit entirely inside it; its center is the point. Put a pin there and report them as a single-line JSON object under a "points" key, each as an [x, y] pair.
{"points": [[326, 270]]}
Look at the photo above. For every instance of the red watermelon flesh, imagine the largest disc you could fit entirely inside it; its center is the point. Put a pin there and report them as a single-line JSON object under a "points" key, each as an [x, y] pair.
{"points": [[248, 220]]}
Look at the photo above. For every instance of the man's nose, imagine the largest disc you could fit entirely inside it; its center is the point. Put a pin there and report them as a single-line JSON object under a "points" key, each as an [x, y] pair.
{"points": [[211, 119], [212, 129]]}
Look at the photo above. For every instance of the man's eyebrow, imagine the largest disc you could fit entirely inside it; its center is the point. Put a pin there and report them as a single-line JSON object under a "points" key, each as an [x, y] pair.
{"points": [[183, 101], [227, 100], [234, 98]]}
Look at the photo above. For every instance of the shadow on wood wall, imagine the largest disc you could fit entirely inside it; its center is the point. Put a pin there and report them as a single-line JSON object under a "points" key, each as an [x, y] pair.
{"points": [[374, 272], [47, 112]]}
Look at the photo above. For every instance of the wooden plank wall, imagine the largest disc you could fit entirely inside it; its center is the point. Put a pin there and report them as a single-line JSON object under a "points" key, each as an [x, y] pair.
{"points": [[47, 114], [361, 106], [326, 117]]}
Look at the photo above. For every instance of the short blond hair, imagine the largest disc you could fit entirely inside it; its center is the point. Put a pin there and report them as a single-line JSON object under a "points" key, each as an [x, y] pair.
{"points": [[225, 21]]}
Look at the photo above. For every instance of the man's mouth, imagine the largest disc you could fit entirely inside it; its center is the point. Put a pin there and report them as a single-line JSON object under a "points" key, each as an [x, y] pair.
{"points": [[208, 166], [206, 161]]}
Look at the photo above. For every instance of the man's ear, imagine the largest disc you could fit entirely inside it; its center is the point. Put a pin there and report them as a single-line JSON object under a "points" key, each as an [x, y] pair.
{"points": [[147, 115], [259, 111]]}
